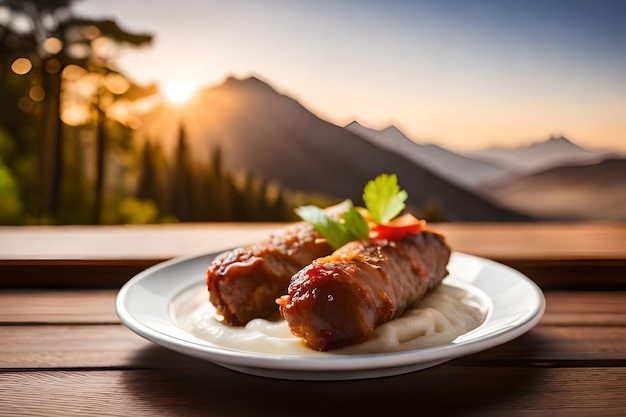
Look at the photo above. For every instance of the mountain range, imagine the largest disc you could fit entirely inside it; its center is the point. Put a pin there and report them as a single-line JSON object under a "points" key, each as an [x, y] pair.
{"points": [[554, 179], [540, 156], [595, 191], [463, 170], [275, 138]]}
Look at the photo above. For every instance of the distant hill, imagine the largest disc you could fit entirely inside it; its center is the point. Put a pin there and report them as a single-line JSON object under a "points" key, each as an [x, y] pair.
{"points": [[461, 170], [585, 192], [539, 156], [277, 139]]}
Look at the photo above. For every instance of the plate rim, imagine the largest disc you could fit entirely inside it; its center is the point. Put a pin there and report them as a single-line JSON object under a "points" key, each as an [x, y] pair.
{"points": [[324, 363]]}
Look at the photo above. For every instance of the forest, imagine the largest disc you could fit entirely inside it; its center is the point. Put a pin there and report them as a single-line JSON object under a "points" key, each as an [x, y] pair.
{"points": [[68, 153]]}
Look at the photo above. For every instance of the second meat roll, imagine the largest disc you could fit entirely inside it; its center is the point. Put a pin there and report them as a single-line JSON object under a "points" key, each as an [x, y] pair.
{"points": [[340, 299]]}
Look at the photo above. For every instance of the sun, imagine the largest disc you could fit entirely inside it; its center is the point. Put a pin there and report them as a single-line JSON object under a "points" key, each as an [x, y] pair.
{"points": [[178, 92]]}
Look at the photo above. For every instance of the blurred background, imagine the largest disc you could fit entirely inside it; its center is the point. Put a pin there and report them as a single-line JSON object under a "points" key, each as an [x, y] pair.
{"points": [[119, 112]]}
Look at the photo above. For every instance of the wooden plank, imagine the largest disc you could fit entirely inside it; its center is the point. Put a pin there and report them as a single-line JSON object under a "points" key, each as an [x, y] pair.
{"points": [[567, 256], [585, 308], [114, 346], [69, 346], [512, 241], [570, 275], [68, 274], [538, 241], [584, 274], [128, 242], [585, 302], [69, 306], [561, 346], [564, 308], [210, 390]]}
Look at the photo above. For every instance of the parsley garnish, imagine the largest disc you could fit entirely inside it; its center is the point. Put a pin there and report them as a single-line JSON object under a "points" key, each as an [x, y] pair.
{"points": [[355, 223], [383, 199], [350, 226], [333, 231]]}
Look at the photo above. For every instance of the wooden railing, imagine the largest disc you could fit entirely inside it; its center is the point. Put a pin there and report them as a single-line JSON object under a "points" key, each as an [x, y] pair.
{"points": [[570, 255]]}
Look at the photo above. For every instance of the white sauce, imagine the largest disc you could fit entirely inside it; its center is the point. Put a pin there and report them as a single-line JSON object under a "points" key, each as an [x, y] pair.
{"points": [[444, 314]]}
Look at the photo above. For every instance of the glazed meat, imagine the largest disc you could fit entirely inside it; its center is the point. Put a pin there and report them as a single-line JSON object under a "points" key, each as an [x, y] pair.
{"points": [[340, 299], [244, 283]]}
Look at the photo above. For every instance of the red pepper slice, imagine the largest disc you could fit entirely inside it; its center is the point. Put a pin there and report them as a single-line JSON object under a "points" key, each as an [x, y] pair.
{"points": [[397, 228]]}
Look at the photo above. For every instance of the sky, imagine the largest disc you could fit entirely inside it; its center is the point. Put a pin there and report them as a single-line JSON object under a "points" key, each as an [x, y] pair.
{"points": [[462, 74]]}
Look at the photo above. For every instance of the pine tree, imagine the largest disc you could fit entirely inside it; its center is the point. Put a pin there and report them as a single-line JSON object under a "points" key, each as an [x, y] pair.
{"points": [[182, 187]]}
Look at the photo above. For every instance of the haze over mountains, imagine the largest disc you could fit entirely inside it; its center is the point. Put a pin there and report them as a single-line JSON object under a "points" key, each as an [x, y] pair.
{"points": [[459, 169], [542, 155], [594, 191], [272, 136], [553, 179]]}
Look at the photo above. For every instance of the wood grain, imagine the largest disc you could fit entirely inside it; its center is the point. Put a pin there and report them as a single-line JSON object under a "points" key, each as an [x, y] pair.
{"points": [[446, 390], [128, 242], [539, 241], [69, 346], [566, 256], [69, 306], [114, 346], [566, 308], [585, 308], [576, 328], [512, 241], [63, 351]]}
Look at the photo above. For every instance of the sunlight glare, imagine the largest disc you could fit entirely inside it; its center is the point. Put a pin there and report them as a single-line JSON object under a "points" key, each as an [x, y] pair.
{"points": [[178, 92]]}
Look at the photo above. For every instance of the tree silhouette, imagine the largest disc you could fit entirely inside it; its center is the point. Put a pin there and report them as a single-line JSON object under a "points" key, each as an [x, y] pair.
{"points": [[182, 185], [19, 115], [147, 185], [57, 40], [58, 170], [219, 189]]}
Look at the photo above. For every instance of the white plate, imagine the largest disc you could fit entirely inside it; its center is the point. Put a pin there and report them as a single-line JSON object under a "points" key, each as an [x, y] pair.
{"points": [[516, 305]]}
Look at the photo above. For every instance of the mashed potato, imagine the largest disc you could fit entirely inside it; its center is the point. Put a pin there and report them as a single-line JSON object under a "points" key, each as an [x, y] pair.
{"points": [[447, 312]]}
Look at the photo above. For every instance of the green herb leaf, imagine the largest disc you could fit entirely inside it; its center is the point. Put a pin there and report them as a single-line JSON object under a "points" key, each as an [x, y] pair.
{"points": [[333, 231], [337, 233], [383, 198], [355, 223]]}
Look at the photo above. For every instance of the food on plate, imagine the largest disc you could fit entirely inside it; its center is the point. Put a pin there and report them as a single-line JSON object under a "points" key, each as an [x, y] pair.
{"points": [[382, 264], [340, 299], [450, 310], [243, 283], [337, 276]]}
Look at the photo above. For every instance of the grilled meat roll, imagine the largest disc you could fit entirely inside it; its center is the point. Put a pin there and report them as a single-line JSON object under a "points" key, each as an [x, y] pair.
{"points": [[340, 299], [243, 283]]}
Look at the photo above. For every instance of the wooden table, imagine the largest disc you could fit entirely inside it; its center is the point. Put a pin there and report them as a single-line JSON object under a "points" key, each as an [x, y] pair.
{"points": [[64, 351]]}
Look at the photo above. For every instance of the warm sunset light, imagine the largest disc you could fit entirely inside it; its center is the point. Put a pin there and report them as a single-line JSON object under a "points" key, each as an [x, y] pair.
{"points": [[487, 111], [178, 92], [463, 74]]}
